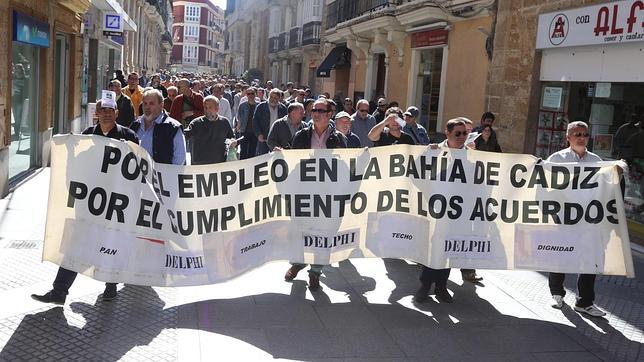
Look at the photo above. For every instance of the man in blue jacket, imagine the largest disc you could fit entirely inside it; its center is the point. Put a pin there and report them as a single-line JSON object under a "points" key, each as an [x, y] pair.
{"points": [[265, 115]]}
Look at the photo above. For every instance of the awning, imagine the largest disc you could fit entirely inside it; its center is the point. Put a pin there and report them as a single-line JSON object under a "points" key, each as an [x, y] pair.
{"points": [[340, 55]]}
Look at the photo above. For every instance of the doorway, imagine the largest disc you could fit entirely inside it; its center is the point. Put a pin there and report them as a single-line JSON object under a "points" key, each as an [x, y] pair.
{"points": [[61, 84]]}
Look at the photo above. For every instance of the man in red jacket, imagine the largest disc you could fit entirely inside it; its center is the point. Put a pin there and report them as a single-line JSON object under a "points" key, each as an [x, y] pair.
{"points": [[188, 105]]}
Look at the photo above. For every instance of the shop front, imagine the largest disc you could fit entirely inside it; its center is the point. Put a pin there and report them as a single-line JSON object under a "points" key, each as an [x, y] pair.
{"points": [[29, 37], [429, 48], [591, 71]]}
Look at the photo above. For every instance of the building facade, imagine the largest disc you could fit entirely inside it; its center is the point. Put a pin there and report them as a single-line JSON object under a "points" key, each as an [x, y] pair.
{"points": [[414, 52], [198, 33], [247, 23], [574, 60], [294, 41], [40, 89]]}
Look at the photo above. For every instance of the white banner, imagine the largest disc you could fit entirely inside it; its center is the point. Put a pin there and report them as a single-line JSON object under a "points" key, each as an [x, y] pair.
{"points": [[609, 23], [116, 216]]}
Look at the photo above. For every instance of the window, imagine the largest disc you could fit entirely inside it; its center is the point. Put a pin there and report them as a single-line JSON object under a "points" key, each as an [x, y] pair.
{"points": [[190, 53], [192, 13], [316, 8], [191, 33]]}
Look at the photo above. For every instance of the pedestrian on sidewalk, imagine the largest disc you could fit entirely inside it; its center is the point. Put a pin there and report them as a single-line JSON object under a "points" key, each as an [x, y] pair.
{"points": [[577, 134], [107, 112]]}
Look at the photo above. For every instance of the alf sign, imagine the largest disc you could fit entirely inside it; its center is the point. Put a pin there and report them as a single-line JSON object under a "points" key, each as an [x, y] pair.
{"points": [[610, 23], [116, 216]]}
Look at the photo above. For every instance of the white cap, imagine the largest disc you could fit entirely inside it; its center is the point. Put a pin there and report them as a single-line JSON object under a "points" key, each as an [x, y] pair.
{"points": [[108, 99]]}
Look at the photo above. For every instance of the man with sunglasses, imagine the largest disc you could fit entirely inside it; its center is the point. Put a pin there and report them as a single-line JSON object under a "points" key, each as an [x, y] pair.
{"points": [[320, 135], [577, 135], [363, 122], [456, 133], [379, 113]]}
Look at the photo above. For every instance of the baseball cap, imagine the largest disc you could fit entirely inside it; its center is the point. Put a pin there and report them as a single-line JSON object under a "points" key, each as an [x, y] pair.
{"points": [[412, 111], [342, 114]]}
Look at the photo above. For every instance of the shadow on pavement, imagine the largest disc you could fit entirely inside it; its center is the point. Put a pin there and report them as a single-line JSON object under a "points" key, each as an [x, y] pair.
{"points": [[293, 327]]}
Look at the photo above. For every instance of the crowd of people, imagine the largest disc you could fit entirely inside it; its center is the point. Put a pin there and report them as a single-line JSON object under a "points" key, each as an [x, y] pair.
{"points": [[205, 116]]}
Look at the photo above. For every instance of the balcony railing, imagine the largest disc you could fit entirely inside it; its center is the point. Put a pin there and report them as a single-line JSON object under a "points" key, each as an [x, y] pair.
{"points": [[311, 33], [273, 44], [294, 38], [282, 42], [342, 10]]}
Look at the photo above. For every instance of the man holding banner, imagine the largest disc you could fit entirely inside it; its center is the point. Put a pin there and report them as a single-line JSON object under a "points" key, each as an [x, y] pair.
{"points": [[456, 136], [106, 109], [320, 135], [577, 135]]}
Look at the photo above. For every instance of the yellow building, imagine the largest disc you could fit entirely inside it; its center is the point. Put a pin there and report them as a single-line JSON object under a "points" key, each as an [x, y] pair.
{"points": [[414, 52]]}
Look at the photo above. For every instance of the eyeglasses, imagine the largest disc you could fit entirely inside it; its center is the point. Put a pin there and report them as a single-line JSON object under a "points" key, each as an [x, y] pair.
{"points": [[316, 110], [363, 110], [579, 134], [250, 94], [459, 133]]}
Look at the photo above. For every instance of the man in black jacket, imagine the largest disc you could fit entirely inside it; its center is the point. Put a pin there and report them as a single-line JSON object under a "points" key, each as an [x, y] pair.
{"points": [[320, 135], [107, 127], [283, 130], [265, 115], [124, 104]]}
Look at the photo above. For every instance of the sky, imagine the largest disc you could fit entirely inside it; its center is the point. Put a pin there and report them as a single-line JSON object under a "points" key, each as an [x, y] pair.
{"points": [[220, 3]]}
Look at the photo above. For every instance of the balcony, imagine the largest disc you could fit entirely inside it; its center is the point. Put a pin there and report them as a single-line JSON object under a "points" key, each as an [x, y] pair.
{"points": [[282, 42], [342, 10], [294, 38], [311, 33], [273, 44]]}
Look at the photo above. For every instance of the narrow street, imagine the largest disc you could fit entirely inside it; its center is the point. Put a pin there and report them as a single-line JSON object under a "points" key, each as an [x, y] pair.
{"points": [[364, 311]]}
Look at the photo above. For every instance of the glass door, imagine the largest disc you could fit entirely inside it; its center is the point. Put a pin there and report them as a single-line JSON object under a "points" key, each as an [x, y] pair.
{"points": [[428, 87], [24, 108]]}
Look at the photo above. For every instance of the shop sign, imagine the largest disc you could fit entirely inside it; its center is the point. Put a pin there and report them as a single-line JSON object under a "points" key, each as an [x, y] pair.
{"points": [[429, 38], [29, 30], [610, 23], [112, 24]]}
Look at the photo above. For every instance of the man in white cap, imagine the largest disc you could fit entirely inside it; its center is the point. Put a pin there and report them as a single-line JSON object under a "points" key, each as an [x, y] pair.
{"points": [[343, 125], [107, 112]]}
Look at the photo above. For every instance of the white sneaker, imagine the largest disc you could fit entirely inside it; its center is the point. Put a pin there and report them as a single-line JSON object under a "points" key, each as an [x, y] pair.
{"points": [[591, 311], [559, 301]]}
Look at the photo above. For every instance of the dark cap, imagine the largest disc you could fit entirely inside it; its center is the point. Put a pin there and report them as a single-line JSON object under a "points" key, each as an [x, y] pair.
{"points": [[412, 111]]}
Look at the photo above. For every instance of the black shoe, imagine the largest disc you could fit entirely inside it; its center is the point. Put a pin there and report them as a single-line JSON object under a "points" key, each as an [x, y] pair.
{"points": [[444, 296], [291, 273], [50, 297], [421, 293], [109, 293]]}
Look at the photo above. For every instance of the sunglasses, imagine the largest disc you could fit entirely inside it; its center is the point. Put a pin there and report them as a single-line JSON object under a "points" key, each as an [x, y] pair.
{"points": [[250, 94], [382, 105], [459, 133], [579, 134], [316, 110]]}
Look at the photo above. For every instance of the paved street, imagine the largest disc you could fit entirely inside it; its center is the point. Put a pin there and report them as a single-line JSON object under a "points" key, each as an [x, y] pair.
{"points": [[364, 311]]}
